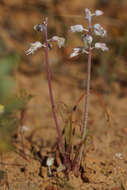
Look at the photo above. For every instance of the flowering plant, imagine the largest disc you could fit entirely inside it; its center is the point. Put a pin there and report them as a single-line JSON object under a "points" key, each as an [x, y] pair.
{"points": [[48, 45], [66, 147], [37, 45], [87, 39]]}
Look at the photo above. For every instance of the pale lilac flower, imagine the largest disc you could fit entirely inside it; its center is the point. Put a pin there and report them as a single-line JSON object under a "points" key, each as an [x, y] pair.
{"points": [[99, 30], [77, 51], [101, 46], [60, 41], [99, 13], [77, 28], [33, 47], [87, 39]]}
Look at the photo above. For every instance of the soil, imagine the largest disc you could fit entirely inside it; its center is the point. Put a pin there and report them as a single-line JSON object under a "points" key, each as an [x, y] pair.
{"points": [[104, 165]]}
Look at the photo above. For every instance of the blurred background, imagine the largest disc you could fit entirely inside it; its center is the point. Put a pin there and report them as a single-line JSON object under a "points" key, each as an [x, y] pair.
{"points": [[109, 69]]}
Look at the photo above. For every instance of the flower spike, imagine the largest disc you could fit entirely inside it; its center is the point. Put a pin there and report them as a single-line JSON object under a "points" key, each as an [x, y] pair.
{"points": [[87, 39]]}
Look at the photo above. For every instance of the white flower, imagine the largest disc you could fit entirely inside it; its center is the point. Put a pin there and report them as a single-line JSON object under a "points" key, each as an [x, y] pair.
{"points": [[33, 47], [77, 28], [87, 39], [49, 161], [99, 13], [119, 155], [60, 41], [77, 51], [99, 30], [101, 46], [88, 14]]}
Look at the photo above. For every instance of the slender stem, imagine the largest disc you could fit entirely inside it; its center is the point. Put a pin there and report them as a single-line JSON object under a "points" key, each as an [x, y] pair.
{"points": [[51, 93], [86, 104], [78, 160], [86, 98]]}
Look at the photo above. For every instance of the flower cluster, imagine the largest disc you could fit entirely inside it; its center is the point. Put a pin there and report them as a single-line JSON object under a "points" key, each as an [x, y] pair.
{"points": [[37, 45], [87, 38]]}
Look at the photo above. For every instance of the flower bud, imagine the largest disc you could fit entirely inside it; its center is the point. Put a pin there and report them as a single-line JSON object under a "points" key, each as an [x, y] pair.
{"points": [[39, 27], [88, 14], [87, 39]]}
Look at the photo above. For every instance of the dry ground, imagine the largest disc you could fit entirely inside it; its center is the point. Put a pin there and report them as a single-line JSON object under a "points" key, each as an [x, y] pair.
{"points": [[105, 160]]}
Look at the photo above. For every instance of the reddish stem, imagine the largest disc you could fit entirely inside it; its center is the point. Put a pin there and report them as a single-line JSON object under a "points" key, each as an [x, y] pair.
{"points": [[86, 104], [78, 163], [51, 94]]}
